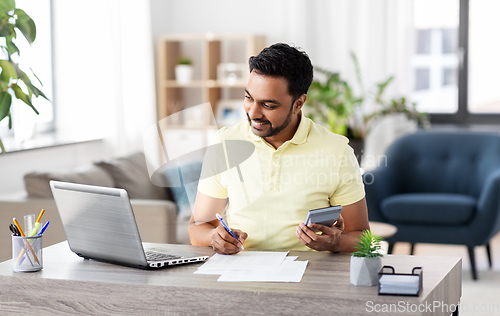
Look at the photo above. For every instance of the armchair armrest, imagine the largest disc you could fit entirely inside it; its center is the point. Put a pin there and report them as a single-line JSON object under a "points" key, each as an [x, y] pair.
{"points": [[488, 207], [379, 184]]}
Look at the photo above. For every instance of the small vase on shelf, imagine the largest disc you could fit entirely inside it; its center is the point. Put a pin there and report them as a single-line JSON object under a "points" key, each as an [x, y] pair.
{"points": [[184, 71]]}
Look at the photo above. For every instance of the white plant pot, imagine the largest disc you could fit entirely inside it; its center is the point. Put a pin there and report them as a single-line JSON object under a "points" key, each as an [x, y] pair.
{"points": [[364, 271], [183, 74]]}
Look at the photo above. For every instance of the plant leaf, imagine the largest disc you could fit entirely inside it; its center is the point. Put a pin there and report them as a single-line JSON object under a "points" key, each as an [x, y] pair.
{"points": [[19, 72], [7, 5], [5, 102], [7, 30], [23, 97], [24, 77], [26, 25], [1, 146], [381, 88], [8, 71], [37, 92], [36, 77], [11, 47], [4, 86], [369, 244]]}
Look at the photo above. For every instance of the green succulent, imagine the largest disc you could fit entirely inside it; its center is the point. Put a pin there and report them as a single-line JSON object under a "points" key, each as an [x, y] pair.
{"points": [[368, 245]]}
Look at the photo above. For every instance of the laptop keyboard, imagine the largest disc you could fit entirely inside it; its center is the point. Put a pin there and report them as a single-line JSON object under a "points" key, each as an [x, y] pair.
{"points": [[159, 256]]}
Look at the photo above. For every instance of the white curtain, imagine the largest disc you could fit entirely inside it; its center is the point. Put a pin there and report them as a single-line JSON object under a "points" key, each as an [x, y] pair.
{"points": [[378, 32], [104, 73]]}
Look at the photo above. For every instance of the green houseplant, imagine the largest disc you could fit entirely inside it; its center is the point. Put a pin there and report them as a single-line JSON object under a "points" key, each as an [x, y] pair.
{"points": [[332, 102], [13, 81], [367, 261], [184, 61], [184, 70]]}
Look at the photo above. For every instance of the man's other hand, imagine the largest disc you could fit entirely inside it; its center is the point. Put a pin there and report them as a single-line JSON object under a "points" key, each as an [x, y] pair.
{"points": [[328, 240], [224, 243]]}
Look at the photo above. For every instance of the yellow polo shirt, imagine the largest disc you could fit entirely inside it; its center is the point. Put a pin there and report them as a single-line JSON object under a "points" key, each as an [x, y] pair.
{"points": [[274, 189]]}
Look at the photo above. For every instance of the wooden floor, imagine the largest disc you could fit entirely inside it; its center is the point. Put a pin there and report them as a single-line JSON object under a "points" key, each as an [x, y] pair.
{"points": [[456, 251]]}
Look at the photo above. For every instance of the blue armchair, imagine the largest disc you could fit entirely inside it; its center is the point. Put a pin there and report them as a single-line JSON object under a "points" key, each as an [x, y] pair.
{"points": [[439, 188]]}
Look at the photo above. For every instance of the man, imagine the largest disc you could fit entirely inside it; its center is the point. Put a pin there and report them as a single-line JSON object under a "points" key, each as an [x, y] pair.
{"points": [[303, 166]]}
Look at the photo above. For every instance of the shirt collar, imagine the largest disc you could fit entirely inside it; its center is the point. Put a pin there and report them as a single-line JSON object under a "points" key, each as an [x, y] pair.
{"points": [[299, 137]]}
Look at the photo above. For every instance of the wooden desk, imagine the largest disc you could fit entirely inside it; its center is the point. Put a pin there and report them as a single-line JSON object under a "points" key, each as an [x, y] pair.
{"points": [[69, 285]]}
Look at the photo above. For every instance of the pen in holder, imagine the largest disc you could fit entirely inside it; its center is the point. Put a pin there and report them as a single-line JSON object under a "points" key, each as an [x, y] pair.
{"points": [[27, 253]]}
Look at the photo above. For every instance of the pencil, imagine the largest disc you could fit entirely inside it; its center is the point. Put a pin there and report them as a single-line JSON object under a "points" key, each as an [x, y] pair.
{"points": [[27, 242], [40, 216]]}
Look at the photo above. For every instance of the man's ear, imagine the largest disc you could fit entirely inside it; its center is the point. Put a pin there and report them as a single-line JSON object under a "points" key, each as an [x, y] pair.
{"points": [[297, 106]]}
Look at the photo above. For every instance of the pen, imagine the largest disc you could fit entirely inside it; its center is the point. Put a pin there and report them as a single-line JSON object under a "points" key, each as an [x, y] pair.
{"points": [[44, 228], [39, 234], [13, 229], [15, 232], [26, 242], [228, 230]]}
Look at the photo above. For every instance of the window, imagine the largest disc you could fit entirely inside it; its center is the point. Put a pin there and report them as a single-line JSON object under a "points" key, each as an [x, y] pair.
{"points": [[422, 79], [435, 59], [38, 57], [455, 60], [484, 57]]}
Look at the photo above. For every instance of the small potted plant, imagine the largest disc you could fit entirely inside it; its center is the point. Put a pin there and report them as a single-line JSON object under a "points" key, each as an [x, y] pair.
{"points": [[184, 70], [367, 261]]}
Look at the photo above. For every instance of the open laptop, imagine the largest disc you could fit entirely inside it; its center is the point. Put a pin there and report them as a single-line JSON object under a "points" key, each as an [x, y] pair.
{"points": [[99, 224]]}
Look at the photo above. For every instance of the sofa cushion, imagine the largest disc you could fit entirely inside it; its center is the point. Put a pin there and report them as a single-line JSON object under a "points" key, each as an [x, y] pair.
{"points": [[183, 183], [37, 183], [131, 173], [429, 208]]}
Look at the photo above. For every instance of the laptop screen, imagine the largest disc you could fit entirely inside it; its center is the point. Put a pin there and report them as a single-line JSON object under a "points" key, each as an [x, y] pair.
{"points": [[99, 223]]}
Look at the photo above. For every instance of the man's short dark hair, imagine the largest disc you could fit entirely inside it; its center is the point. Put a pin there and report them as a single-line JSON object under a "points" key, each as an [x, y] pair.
{"points": [[283, 60]]}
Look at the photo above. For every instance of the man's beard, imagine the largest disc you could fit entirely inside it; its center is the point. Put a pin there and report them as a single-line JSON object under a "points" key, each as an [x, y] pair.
{"points": [[274, 130]]}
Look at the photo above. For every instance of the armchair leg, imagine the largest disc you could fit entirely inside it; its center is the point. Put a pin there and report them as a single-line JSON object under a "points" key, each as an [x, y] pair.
{"points": [[390, 248], [412, 249], [488, 251], [472, 262]]}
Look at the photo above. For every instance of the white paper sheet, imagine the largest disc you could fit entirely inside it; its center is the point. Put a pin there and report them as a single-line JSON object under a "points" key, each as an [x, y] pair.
{"points": [[220, 271], [288, 271], [245, 260], [291, 258]]}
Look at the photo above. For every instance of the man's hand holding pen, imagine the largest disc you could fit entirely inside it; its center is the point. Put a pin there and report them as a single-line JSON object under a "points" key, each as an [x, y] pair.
{"points": [[224, 243]]}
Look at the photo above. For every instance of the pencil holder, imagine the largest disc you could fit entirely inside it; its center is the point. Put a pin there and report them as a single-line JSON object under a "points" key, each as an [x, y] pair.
{"points": [[27, 253]]}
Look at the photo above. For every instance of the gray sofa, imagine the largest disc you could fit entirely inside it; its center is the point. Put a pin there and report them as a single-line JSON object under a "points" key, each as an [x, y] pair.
{"points": [[154, 208]]}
